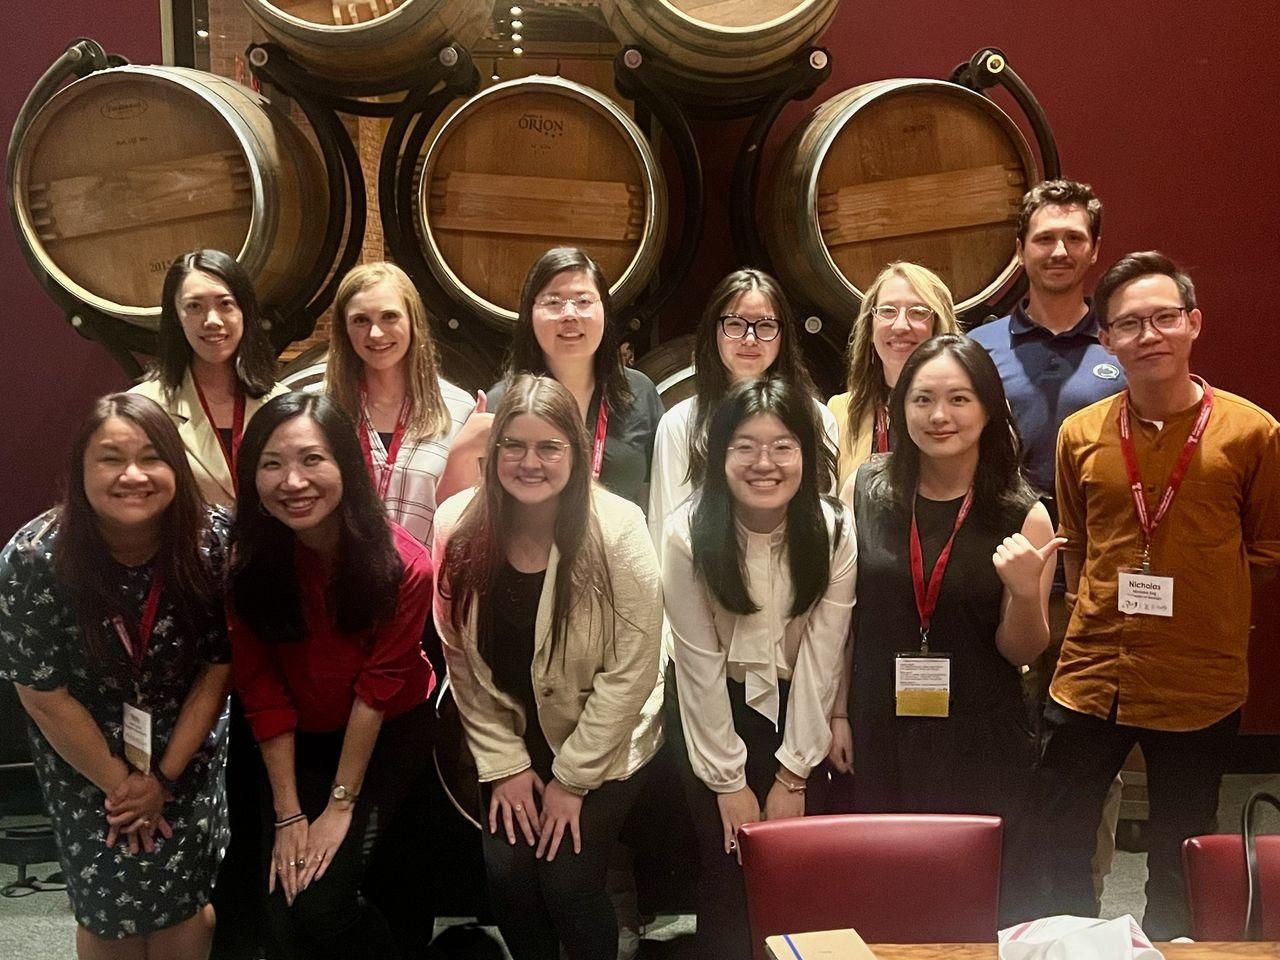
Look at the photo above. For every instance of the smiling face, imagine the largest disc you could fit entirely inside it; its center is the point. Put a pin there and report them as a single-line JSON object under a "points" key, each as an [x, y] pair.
{"points": [[1152, 356], [944, 416], [529, 479], [127, 484], [749, 357], [299, 482], [895, 340], [1059, 250], [211, 317], [760, 486], [562, 333], [378, 324]]}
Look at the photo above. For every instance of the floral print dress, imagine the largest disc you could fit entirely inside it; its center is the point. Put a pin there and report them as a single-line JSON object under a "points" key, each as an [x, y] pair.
{"points": [[115, 894]]}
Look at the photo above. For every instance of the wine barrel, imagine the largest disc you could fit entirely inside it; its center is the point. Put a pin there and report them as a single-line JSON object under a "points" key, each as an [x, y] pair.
{"points": [[530, 164], [369, 40], [919, 170], [715, 46], [126, 169], [670, 366]]}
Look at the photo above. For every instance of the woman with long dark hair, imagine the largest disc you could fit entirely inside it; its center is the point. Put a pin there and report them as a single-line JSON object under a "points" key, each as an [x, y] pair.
{"points": [[758, 570], [215, 366], [566, 330], [329, 601], [953, 587], [111, 629], [747, 330], [384, 372], [549, 607]]}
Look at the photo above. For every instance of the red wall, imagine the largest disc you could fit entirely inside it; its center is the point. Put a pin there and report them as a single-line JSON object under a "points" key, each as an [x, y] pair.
{"points": [[1169, 110]]}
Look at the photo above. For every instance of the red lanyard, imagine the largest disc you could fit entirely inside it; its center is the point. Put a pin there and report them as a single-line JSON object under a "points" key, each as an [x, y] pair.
{"points": [[1145, 520], [139, 652], [597, 446], [882, 428], [383, 481], [927, 600], [232, 453]]}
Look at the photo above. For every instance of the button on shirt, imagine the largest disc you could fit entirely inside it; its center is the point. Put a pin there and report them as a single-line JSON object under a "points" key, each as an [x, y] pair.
{"points": [[1190, 670], [1047, 377]]}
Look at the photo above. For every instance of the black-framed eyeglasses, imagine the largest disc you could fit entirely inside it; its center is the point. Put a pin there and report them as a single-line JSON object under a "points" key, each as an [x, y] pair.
{"points": [[764, 329], [548, 451], [1166, 320]]}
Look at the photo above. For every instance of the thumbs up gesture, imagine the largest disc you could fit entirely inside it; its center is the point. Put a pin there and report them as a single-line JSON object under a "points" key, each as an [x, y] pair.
{"points": [[1019, 564]]}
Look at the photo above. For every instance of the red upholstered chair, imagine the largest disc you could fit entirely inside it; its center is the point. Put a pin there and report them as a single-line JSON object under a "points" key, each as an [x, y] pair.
{"points": [[895, 878], [1217, 885]]}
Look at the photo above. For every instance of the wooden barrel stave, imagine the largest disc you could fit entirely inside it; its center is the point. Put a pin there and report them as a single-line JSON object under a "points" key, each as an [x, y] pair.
{"points": [[126, 169], [385, 39], [531, 164], [918, 170]]}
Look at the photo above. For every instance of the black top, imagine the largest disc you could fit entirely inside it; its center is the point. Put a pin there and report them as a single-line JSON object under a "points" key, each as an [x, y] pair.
{"points": [[509, 652], [628, 445], [968, 612], [224, 436], [386, 439]]}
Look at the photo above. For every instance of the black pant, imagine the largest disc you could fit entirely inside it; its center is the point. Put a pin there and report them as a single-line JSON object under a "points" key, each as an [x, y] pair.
{"points": [[331, 918], [540, 905], [724, 930], [1082, 755]]}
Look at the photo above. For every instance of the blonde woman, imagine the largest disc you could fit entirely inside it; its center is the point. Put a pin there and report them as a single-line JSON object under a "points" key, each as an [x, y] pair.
{"points": [[905, 305], [384, 372]]}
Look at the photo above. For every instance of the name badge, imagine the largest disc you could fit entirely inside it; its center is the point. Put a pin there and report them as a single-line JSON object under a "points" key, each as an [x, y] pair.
{"points": [[137, 738], [1144, 592], [922, 685]]}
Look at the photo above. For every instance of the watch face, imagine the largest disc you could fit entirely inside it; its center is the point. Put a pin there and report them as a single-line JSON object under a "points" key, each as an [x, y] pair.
{"points": [[339, 792]]}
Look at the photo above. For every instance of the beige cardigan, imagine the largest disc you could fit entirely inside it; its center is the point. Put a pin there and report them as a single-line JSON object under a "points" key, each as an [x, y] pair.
{"points": [[204, 451], [599, 703], [855, 449]]}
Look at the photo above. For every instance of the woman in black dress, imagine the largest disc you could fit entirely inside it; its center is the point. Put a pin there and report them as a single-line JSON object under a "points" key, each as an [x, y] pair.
{"points": [[939, 724], [109, 613]]}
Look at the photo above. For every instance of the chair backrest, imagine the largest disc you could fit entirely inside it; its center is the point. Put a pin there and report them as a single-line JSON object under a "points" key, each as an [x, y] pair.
{"points": [[1217, 885], [895, 878]]}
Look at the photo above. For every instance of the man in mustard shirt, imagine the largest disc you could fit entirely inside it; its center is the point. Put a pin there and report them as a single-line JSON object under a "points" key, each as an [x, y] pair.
{"points": [[1169, 494]]}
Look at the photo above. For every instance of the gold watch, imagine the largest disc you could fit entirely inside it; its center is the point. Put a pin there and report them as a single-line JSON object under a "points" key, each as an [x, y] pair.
{"points": [[343, 794]]}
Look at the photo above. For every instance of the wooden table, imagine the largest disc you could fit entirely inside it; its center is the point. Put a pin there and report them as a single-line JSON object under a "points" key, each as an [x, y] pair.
{"points": [[987, 951]]}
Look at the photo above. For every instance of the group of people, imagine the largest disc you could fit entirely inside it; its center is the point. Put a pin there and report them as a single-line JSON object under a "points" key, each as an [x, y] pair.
{"points": [[874, 588]]}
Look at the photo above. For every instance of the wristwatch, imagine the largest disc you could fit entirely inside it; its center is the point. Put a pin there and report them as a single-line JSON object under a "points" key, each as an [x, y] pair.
{"points": [[343, 794]]}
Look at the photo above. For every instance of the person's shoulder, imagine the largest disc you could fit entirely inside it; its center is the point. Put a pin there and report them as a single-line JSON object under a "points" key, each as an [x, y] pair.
{"points": [[679, 416], [1245, 412], [644, 394], [30, 549], [413, 554], [447, 513], [615, 513], [455, 398], [496, 392], [152, 389], [992, 334], [1088, 421], [825, 413]]}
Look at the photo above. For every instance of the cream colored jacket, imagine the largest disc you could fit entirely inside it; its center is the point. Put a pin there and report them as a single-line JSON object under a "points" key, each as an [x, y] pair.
{"points": [[599, 702], [199, 437]]}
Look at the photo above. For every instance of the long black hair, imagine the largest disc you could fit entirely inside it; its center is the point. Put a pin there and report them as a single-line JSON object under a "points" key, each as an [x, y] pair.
{"points": [[717, 557], [526, 355], [255, 362], [1000, 492], [264, 583], [713, 380], [82, 559]]}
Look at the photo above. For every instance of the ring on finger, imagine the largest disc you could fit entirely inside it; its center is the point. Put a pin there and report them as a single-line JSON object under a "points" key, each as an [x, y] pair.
{"points": [[733, 844], [300, 862], [519, 807]]}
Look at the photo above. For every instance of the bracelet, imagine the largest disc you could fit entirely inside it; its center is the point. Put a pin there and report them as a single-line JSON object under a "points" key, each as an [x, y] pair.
{"points": [[286, 821], [170, 786], [839, 716], [793, 788]]}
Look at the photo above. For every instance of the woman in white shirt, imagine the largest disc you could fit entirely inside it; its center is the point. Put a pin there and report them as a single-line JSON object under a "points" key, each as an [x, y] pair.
{"points": [[758, 622], [383, 371], [747, 330], [549, 605]]}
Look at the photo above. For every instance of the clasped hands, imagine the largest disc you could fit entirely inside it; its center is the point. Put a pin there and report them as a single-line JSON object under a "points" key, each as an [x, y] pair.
{"points": [[135, 812]]}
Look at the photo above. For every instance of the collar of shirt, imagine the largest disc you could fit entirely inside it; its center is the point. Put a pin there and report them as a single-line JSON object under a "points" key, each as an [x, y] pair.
{"points": [[1020, 323], [755, 636]]}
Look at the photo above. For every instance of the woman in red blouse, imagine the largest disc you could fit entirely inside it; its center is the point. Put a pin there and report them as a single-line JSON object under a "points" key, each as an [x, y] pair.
{"points": [[329, 600]]}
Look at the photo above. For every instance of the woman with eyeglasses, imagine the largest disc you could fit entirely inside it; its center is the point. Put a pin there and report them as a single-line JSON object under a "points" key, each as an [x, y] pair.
{"points": [[566, 330], [956, 564], [747, 330], [758, 572], [328, 604], [214, 367], [549, 606], [905, 305], [112, 631]]}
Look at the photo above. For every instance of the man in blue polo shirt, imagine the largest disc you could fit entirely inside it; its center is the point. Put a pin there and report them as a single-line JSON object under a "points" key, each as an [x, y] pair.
{"points": [[1052, 365]]}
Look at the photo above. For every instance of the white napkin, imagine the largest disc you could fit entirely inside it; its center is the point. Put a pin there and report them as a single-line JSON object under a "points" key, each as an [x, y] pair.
{"points": [[1077, 938]]}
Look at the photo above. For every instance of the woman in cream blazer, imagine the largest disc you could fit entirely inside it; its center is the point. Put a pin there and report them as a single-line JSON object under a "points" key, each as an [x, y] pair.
{"points": [[549, 605]]}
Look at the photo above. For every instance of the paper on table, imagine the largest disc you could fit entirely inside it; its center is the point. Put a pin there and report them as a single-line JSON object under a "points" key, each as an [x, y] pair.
{"points": [[1077, 938], [821, 945]]}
